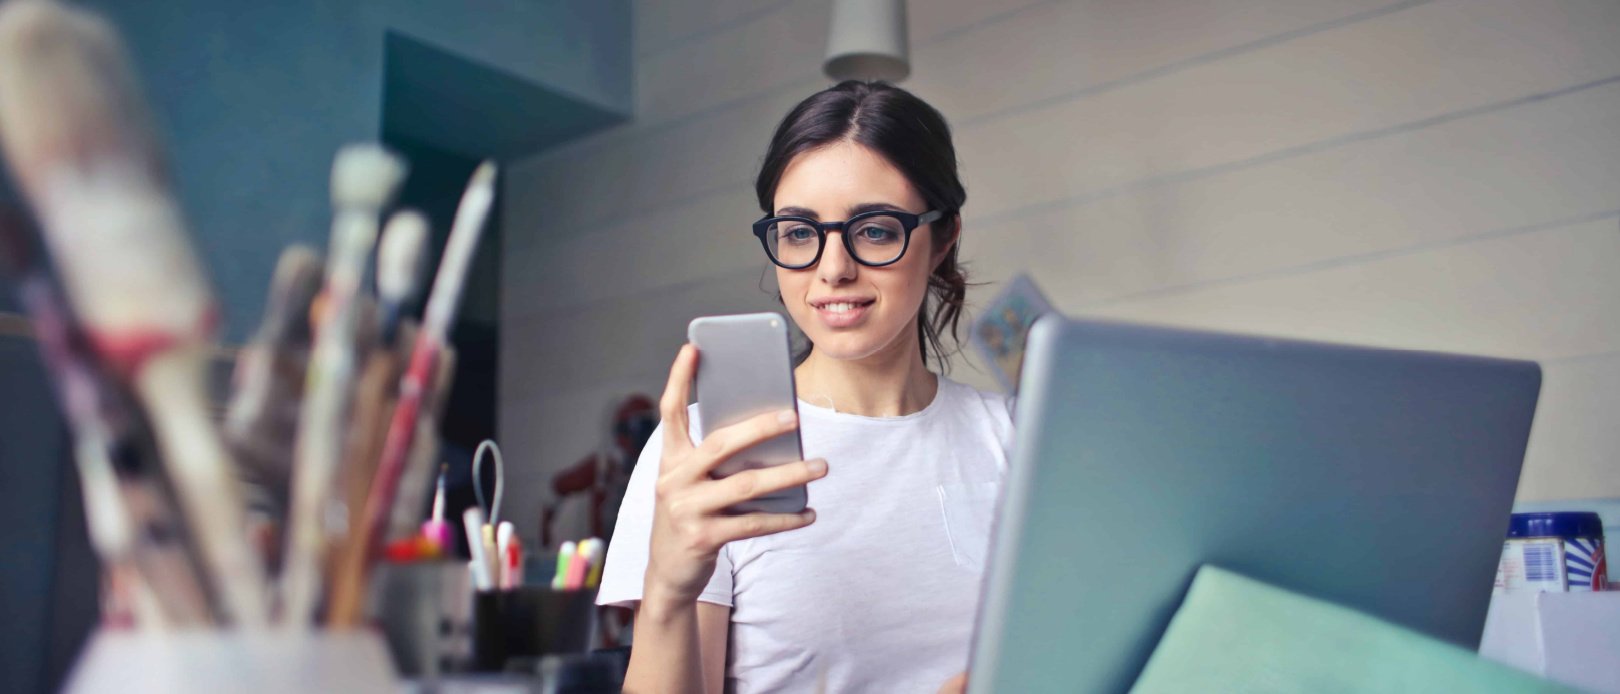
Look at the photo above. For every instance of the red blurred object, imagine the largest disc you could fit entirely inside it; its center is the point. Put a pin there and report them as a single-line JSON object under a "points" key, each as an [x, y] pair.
{"points": [[412, 549], [603, 474]]}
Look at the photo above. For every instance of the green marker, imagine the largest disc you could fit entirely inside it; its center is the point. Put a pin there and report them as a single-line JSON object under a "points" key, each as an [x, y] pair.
{"points": [[565, 554]]}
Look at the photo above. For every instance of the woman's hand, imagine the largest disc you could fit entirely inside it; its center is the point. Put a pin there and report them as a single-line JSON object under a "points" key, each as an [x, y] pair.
{"points": [[955, 685], [689, 527]]}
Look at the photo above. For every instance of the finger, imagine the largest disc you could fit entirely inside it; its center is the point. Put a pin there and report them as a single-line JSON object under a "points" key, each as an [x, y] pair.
{"points": [[752, 484], [733, 528], [723, 443], [672, 406]]}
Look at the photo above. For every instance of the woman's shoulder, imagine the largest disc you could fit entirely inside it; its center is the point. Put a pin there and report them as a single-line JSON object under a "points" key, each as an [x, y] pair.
{"points": [[990, 406], [988, 413], [970, 396]]}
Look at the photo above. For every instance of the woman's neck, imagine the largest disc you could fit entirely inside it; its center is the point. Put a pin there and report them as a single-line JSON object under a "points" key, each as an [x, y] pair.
{"points": [[891, 383]]}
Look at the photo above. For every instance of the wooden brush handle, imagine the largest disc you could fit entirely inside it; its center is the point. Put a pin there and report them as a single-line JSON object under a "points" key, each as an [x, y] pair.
{"points": [[374, 400]]}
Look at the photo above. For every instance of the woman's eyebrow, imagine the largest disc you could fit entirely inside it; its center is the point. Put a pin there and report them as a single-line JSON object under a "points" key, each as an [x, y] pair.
{"points": [[853, 210], [797, 212], [875, 207]]}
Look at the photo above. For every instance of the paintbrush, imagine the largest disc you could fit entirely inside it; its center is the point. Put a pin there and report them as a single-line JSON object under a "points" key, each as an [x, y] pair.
{"points": [[79, 393], [261, 421], [364, 178], [419, 380], [399, 265], [417, 479], [138, 545], [374, 400], [77, 135]]}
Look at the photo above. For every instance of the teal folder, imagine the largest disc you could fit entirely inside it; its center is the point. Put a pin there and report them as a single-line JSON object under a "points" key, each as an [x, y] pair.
{"points": [[1236, 634]]}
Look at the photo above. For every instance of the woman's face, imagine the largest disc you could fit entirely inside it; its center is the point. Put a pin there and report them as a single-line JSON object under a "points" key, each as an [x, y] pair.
{"points": [[848, 310]]}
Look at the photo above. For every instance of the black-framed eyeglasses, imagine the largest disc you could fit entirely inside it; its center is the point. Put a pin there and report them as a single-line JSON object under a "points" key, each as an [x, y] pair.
{"points": [[873, 239]]}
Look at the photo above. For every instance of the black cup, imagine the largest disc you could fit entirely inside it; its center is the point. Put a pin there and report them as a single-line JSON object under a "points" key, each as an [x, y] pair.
{"points": [[530, 622]]}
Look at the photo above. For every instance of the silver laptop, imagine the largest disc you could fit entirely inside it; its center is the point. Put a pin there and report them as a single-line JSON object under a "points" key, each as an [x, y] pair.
{"points": [[1377, 479]]}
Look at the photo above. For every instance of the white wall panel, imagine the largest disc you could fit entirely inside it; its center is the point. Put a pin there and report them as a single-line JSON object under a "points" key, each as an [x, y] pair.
{"points": [[1538, 294], [1392, 71], [1574, 441]]}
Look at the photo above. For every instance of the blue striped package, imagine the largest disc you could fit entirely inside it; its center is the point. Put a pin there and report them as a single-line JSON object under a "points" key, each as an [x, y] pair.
{"points": [[1553, 552]]}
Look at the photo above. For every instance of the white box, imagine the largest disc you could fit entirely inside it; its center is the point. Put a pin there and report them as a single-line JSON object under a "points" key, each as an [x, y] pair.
{"points": [[1572, 638]]}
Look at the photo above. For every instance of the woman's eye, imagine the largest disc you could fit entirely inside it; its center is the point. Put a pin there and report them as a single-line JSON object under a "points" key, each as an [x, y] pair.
{"points": [[799, 234], [875, 233]]}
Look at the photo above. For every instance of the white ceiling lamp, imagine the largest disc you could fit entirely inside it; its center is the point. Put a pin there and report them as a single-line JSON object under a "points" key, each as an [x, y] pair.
{"points": [[867, 41]]}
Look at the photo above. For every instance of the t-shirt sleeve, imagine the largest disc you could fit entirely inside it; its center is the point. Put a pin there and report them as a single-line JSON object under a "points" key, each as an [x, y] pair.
{"points": [[626, 567]]}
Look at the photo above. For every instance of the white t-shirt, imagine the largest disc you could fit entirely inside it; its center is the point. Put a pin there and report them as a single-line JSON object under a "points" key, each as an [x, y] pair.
{"points": [[880, 593]]}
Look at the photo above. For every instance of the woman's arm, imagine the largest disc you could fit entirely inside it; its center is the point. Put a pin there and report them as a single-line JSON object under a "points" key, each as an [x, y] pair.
{"points": [[680, 647], [680, 644]]}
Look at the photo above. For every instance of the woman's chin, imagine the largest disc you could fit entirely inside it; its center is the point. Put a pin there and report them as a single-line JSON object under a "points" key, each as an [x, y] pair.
{"points": [[846, 346]]}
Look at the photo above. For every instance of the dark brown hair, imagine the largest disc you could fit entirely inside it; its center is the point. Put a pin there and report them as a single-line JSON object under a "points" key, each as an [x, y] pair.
{"points": [[914, 138]]}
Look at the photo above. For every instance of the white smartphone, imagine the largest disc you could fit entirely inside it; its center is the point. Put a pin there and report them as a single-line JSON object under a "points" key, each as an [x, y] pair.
{"points": [[745, 369]]}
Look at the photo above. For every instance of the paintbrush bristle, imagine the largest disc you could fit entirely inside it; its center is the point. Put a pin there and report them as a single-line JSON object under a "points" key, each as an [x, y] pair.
{"points": [[468, 226], [292, 289], [399, 255], [483, 177], [366, 176], [67, 93]]}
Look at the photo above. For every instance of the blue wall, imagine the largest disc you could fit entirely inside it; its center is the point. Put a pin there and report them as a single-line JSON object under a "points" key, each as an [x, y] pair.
{"points": [[255, 98]]}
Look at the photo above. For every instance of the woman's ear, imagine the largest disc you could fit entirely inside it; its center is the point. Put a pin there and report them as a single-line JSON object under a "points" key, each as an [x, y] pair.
{"points": [[944, 249]]}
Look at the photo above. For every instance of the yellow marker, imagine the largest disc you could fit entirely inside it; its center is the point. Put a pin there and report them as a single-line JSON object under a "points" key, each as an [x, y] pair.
{"points": [[593, 552], [490, 555]]}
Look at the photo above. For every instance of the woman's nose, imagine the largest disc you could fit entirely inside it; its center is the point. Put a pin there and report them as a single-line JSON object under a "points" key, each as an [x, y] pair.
{"points": [[836, 266]]}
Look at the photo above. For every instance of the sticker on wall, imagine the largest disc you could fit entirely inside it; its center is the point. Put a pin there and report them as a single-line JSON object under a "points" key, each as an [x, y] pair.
{"points": [[1001, 331]]}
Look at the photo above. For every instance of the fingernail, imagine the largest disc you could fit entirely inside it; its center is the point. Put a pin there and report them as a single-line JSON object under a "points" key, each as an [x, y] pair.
{"points": [[809, 514], [786, 416], [817, 467]]}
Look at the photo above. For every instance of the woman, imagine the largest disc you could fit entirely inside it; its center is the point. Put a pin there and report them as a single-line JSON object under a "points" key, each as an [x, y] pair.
{"points": [[876, 589]]}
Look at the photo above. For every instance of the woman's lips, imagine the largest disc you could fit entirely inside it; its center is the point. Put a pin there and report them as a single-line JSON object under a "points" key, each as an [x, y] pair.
{"points": [[842, 314]]}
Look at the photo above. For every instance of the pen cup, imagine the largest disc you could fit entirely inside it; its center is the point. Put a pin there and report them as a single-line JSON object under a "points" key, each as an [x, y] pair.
{"points": [[529, 622], [423, 610]]}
